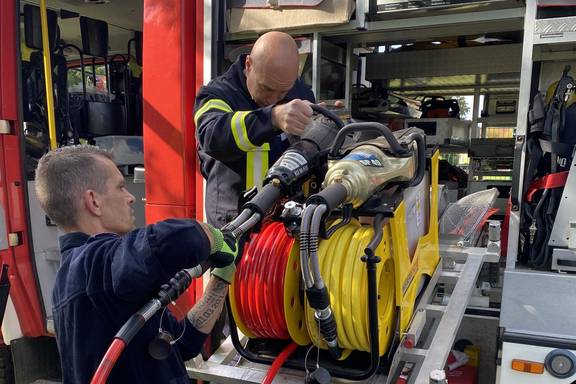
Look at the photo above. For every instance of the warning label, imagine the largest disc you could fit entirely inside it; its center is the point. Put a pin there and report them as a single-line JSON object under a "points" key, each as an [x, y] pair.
{"points": [[295, 162]]}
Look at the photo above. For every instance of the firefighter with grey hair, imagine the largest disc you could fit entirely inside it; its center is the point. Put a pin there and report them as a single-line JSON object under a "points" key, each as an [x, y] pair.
{"points": [[109, 269]]}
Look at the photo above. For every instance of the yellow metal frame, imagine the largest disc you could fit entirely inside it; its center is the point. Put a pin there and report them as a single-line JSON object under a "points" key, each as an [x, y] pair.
{"points": [[409, 272]]}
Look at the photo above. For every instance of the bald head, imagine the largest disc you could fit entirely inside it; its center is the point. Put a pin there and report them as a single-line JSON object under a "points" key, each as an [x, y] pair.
{"points": [[271, 68]]}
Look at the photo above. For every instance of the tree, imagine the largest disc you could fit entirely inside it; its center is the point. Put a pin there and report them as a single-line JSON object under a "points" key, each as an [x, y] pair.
{"points": [[464, 107]]}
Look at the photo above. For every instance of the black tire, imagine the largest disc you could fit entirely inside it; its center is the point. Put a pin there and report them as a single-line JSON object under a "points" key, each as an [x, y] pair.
{"points": [[6, 366]]}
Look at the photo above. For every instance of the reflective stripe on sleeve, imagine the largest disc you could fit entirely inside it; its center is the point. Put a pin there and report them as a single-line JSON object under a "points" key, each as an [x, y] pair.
{"points": [[238, 126], [211, 104]]}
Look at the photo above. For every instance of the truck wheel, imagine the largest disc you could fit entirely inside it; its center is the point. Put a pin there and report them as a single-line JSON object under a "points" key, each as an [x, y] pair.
{"points": [[6, 367]]}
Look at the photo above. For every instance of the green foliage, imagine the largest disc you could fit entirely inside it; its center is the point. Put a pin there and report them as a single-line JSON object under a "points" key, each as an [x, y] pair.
{"points": [[464, 107]]}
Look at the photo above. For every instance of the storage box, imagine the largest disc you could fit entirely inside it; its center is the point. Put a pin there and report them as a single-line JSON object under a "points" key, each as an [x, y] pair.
{"points": [[328, 12]]}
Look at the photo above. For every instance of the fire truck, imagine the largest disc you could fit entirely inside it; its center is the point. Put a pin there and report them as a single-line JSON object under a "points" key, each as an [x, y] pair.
{"points": [[122, 74]]}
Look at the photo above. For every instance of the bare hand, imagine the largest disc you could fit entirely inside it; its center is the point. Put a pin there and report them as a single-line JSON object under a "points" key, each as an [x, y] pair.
{"points": [[292, 117]]}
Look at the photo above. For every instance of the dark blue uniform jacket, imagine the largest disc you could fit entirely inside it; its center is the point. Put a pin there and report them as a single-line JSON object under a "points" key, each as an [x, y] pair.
{"points": [[103, 280], [223, 162]]}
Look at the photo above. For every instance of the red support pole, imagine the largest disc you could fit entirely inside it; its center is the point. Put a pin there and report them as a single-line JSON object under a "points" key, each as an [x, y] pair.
{"points": [[171, 65]]}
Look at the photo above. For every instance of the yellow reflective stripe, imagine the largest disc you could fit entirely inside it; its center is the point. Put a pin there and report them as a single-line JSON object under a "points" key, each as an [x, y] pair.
{"points": [[240, 133], [211, 104], [257, 166]]}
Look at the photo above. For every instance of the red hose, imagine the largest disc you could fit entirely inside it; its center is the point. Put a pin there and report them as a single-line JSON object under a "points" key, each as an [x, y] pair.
{"points": [[108, 361], [256, 287], [242, 285], [275, 367], [259, 287]]}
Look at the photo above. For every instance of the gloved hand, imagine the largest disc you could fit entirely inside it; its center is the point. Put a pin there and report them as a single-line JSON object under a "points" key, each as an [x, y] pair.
{"points": [[230, 247], [224, 249]]}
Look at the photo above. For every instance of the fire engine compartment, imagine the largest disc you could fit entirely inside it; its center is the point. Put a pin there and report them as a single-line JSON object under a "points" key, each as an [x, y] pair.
{"points": [[456, 72]]}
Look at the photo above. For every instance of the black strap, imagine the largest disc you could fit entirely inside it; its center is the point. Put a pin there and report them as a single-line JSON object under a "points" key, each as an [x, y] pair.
{"points": [[537, 114], [561, 149]]}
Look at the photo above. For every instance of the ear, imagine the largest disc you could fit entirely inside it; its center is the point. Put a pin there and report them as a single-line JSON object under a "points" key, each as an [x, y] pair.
{"points": [[92, 202], [248, 63]]}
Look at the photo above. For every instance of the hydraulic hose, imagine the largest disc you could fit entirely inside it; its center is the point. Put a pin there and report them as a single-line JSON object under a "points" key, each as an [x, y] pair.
{"points": [[313, 245], [264, 295], [168, 293], [421, 170], [108, 361], [347, 281], [347, 277], [304, 241], [395, 147], [317, 294], [371, 260], [246, 226], [278, 362], [241, 218]]}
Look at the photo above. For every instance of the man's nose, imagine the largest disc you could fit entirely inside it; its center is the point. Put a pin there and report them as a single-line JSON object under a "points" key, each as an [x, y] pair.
{"points": [[132, 199]]}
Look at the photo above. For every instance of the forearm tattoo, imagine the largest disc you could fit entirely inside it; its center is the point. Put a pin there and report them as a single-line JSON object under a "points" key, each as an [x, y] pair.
{"points": [[205, 312]]}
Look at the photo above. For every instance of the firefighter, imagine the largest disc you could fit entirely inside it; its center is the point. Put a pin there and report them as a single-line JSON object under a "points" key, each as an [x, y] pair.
{"points": [[109, 269], [243, 120]]}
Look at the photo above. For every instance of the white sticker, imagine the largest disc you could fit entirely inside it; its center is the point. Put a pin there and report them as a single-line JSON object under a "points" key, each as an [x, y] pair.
{"points": [[295, 162]]}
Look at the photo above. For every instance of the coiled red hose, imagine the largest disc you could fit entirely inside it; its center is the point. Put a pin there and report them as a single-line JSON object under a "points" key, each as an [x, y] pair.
{"points": [[259, 287]]}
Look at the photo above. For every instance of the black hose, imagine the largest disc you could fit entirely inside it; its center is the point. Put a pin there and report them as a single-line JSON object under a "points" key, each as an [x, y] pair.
{"points": [[377, 224], [239, 220], [313, 245], [331, 196], [346, 217], [246, 226], [371, 261], [421, 170], [265, 199], [304, 238], [395, 148]]}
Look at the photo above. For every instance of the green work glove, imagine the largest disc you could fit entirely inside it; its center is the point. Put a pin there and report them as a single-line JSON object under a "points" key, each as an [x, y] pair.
{"points": [[230, 248], [224, 249]]}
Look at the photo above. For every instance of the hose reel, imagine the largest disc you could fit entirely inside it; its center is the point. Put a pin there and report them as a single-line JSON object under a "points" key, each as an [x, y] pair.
{"points": [[342, 292]]}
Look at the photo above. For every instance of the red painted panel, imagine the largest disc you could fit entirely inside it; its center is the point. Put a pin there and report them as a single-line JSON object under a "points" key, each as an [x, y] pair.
{"points": [[24, 292], [170, 62], [168, 90], [8, 78]]}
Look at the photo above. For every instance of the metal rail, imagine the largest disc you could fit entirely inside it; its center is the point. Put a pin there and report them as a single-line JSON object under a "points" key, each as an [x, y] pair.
{"points": [[433, 329]]}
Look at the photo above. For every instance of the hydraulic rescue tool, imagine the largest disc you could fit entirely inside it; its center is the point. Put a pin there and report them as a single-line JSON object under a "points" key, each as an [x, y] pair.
{"points": [[285, 177], [344, 286]]}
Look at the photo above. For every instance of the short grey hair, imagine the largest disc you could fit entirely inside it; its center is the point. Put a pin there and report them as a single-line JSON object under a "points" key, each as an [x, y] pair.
{"points": [[62, 177]]}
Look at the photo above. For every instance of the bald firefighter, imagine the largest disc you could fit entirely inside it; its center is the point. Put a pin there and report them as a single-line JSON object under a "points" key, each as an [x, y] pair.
{"points": [[243, 119]]}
